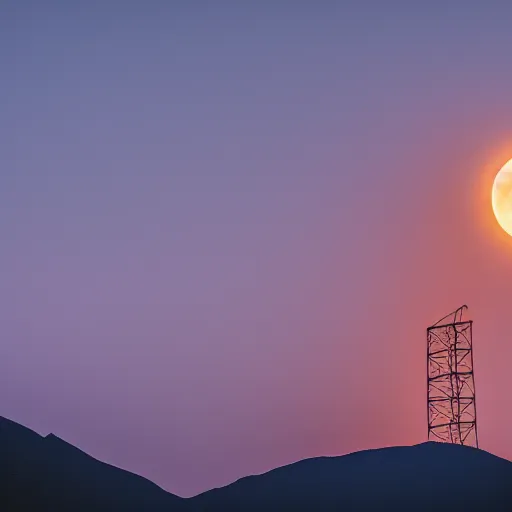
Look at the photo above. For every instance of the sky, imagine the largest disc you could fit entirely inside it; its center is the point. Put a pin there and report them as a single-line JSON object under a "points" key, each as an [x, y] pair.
{"points": [[224, 228]]}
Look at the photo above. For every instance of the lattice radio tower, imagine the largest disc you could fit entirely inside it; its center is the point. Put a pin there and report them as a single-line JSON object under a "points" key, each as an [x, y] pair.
{"points": [[450, 381]]}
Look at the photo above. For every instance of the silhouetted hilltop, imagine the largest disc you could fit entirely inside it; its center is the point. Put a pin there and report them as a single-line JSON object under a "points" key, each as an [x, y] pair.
{"points": [[47, 474], [429, 476]]}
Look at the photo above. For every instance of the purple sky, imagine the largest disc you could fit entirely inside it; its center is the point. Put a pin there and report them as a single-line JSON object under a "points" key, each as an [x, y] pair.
{"points": [[225, 229]]}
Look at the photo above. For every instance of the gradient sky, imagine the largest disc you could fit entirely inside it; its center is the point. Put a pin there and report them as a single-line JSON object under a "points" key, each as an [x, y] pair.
{"points": [[225, 228]]}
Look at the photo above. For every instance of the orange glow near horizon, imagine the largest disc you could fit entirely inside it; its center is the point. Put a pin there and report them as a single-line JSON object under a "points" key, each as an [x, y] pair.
{"points": [[502, 197]]}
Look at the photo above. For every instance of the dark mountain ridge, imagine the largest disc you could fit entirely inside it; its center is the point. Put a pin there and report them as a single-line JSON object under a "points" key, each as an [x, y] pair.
{"points": [[429, 476], [47, 474]]}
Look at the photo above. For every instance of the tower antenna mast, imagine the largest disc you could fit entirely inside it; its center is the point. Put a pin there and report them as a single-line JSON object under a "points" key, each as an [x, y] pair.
{"points": [[451, 403]]}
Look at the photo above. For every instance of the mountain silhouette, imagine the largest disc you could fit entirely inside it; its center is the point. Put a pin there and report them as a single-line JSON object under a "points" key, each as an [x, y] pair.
{"points": [[429, 476], [47, 474]]}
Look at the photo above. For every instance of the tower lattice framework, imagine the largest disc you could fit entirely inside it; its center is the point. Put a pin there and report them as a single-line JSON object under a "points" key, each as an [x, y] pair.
{"points": [[450, 381]]}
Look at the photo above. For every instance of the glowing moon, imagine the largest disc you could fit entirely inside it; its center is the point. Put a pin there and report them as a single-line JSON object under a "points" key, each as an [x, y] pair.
{"points": [[502, 197]]}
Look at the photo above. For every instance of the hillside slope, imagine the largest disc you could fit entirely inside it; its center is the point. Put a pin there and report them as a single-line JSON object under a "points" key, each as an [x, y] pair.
{"points": [[47, 474], [430, 476]]}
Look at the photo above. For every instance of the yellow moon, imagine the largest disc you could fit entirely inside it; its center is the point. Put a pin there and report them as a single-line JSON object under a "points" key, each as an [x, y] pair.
{"points": [[502, 197]]}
